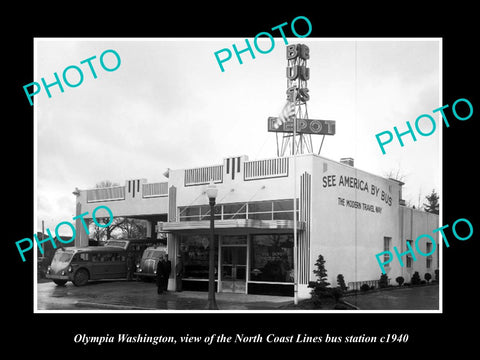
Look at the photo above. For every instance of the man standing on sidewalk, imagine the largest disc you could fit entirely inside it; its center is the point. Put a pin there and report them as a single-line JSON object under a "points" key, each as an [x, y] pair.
{"points": [[167, 268], [179, 272], [160, 274]]}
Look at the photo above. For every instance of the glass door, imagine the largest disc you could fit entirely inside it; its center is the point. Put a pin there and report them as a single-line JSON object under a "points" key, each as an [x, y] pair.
{"points": [[234, 268]]}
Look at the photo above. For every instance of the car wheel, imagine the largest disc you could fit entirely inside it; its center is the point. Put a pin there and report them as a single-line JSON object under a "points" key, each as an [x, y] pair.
{"points": [[60, 282], [80, 278]]}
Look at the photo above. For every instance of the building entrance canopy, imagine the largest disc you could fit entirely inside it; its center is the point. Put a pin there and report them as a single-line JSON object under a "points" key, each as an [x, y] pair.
{"points": [[231, 224]]}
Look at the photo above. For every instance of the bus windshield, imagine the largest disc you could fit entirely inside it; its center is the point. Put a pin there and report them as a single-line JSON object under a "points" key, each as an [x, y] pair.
{"points": [[153, 254], [61, 258]]}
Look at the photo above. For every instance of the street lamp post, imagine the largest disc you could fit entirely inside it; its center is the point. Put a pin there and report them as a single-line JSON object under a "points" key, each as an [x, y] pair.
{"points": [[212, 192]]}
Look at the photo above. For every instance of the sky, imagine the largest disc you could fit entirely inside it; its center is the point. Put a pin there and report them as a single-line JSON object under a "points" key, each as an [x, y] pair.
{"points": [[168, 105]]}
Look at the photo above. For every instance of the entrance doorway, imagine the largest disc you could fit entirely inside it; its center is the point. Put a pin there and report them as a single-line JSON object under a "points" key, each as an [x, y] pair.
{"points": [[234, 268]]}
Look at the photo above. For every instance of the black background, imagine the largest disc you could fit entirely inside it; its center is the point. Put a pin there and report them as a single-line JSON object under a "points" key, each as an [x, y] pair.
{"points": [[46, 333]]}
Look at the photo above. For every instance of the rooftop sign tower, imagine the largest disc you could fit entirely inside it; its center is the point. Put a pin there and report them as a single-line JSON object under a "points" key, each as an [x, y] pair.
{"points": [[298, 141]]}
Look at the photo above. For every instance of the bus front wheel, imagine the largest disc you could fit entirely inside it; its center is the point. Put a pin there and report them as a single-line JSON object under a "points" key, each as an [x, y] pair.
{"points": [[80, 278]]}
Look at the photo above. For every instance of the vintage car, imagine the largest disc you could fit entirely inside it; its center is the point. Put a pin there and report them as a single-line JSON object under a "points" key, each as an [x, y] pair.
{"points": [[147, 266]]}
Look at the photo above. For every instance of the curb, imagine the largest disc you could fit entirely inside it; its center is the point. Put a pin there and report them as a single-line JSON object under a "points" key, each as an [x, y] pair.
{"points": [[350, 305], [100, 306]]}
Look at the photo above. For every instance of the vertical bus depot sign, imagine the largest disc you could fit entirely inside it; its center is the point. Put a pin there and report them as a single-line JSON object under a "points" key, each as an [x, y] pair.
{"points": [[298, 74]]}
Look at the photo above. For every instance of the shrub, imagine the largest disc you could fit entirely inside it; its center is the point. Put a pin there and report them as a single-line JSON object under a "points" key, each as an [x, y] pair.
{"points": [[341, 282], [428, 277], [383, 282], [320, 287], [364, 287], [400, 280], [423, 282], [415, 278], [436, 274]]}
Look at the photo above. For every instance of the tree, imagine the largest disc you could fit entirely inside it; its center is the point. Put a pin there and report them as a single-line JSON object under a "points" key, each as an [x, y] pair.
{"points": [[341, 282], [105, 184], [415, 278], [132, 228], [433, 205], [396, 175], [383, 282], [428, 277], [400, 280], [321, 272], [320, 287], [104, 233], [401, 177]]}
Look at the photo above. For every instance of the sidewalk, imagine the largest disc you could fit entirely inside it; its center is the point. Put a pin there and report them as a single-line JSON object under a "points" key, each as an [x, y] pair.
{"points": [[186, 300], [143, 296]]}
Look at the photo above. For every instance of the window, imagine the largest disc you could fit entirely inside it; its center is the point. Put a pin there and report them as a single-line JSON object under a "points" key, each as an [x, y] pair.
{"points": [[62, 258], [386, 247], [283, 205], [429, 258], [429, 248], [234, 240], [105, 257], [190, 213], [259, 210], [271, 258], [81, 257], [409, 257], [234, 211], [263, 206], [195, 252], [198, 212]]}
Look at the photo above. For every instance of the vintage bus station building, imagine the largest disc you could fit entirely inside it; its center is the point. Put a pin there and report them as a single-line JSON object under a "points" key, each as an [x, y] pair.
{"points": [[343, 213]]}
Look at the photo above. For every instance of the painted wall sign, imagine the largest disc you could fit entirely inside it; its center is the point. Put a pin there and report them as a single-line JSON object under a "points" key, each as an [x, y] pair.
{"points": [[358, 184], [359, 205]]}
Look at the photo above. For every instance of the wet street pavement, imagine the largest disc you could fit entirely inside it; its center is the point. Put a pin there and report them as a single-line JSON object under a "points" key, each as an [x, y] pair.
{"points": [[137, 295], [407, 298]]}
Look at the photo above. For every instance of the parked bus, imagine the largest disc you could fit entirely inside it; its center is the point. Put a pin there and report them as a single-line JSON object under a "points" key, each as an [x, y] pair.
{"points": [[79, 265], [147, 266]]}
